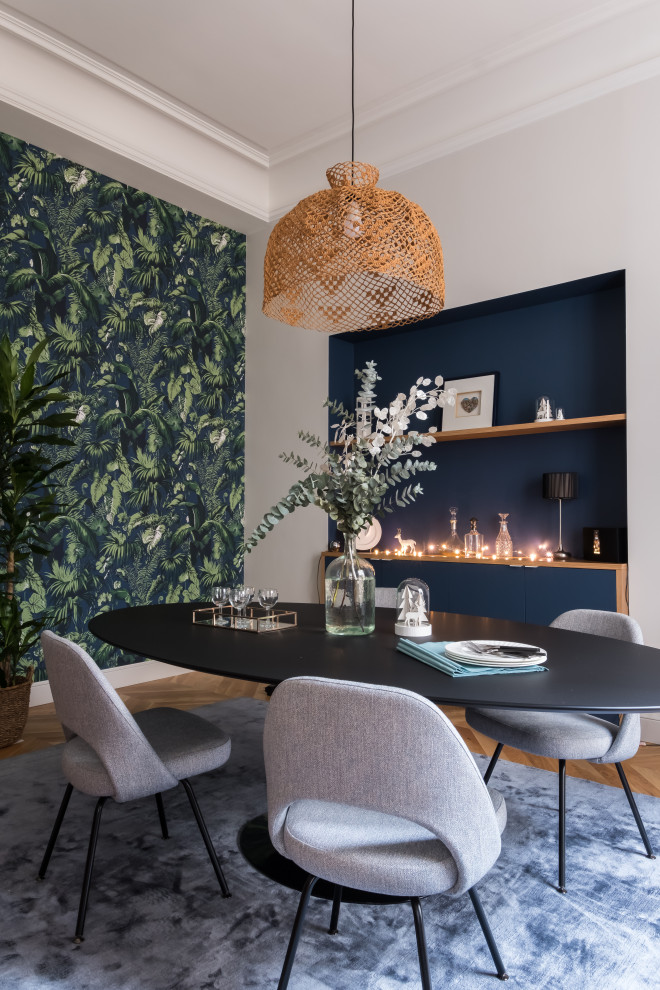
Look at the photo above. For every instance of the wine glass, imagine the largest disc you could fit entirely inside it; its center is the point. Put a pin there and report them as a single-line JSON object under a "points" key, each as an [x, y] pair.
{"points": [[220, 597], [268, 599], [238, 599], [249, 595]]}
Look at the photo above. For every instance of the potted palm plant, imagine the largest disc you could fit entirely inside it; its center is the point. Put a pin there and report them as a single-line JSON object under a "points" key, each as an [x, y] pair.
{"points": [[29, 430]]}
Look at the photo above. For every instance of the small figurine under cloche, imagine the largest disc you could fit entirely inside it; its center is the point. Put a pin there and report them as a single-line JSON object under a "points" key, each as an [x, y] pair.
{"points": [[413, 608]]}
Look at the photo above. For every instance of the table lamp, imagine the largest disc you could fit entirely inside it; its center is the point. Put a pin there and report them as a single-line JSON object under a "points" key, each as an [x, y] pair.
{"points": [[560, 485]]}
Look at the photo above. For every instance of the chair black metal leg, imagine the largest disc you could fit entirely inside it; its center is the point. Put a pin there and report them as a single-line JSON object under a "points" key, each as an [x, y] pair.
{"points": [[207, 838], [493, 760], [488, 935], [422, 951], [336, 904], [161, 815], [55, 832], [562, 827], [635, 811], [295, 932], [89, 866]]}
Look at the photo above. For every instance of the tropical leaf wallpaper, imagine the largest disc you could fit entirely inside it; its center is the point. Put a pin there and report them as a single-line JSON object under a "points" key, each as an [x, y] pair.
{"points": [[144, 308]]}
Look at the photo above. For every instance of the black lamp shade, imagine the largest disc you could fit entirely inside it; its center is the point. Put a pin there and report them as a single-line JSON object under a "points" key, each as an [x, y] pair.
{"points": [[560, 484]]}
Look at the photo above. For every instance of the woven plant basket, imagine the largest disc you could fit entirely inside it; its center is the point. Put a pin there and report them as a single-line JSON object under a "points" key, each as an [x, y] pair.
{"points": [[14, 706]]}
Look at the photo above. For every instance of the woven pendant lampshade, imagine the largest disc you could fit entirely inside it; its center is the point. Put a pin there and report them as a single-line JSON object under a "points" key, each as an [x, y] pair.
{"points": [[353, 257]]}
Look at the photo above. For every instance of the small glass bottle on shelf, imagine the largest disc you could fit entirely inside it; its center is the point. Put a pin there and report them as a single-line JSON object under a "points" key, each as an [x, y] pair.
{"points": [[453, 542], [504, 543], [473, 540]]}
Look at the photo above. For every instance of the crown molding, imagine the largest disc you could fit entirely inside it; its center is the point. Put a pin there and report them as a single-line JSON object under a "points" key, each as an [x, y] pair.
{"points": [[29, 31], [521, 118], [56, 117], [538, 111], [436, 84]]}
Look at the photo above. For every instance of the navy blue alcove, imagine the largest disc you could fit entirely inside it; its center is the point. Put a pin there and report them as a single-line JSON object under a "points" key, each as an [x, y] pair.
{"points": [[566, 341]]}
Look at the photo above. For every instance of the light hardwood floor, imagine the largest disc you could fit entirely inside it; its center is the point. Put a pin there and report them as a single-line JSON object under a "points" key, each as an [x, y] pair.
{"points": [[191, 690]]}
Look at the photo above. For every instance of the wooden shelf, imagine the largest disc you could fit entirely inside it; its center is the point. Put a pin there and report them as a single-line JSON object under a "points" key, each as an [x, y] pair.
{"points": [[528, 429], [502, 561], [542, 426]]}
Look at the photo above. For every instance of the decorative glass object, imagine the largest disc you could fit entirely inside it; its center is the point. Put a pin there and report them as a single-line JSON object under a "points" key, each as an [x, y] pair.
{"points": [[239, 599], [350, 594], [473, 541], [545, 408], [413, 609], [504, 543], [256, 620], [268, 599], [453, 541], [219, 597]]}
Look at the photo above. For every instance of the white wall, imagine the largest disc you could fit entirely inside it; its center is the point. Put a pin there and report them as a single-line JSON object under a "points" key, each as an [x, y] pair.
{"points": [[286, 385]]}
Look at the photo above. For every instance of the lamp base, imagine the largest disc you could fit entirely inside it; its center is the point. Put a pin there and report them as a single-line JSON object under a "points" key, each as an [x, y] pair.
{"points": [[561, 554]]}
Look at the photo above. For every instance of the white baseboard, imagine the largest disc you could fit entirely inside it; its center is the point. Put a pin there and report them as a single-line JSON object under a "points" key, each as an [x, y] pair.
{"points": [[124, 676], [651, 728]]}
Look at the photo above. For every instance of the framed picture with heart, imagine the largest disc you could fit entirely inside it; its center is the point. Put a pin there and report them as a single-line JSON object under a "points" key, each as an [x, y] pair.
{"points": [[475, 402]]}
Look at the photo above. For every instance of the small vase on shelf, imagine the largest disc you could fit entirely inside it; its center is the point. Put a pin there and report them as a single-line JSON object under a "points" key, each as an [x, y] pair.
{"points": [[453, 542], [350, 594], [474, 541], [504, 543]]}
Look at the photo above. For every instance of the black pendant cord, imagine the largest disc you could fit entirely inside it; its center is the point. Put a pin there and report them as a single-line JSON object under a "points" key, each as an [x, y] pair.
{"points": [[352, 80]]}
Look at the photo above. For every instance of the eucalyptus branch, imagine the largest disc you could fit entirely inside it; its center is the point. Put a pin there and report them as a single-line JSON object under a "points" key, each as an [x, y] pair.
{"points": [[352, 483]]}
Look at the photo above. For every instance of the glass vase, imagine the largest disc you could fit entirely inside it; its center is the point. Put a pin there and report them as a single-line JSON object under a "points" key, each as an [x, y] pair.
{"points": [[350, 594]]}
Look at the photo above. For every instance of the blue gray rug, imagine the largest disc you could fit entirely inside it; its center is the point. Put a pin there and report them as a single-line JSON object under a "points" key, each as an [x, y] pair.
{"points": [[156, 919]]}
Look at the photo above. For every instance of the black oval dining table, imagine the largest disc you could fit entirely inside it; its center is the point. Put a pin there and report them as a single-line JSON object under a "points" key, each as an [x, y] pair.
{"points": [[585, 673]]}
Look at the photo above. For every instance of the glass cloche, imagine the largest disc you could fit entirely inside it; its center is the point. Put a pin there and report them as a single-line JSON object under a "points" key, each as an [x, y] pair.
{"points": [[413, 609]]}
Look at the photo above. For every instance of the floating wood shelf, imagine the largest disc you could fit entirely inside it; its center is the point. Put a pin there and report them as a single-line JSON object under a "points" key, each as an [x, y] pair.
{"points": [[542, 426], [526, 429], [591, 565]]}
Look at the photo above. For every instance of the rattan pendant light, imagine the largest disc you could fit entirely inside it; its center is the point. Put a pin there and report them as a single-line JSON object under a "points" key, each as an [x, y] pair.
{"points": [[353, 257]]}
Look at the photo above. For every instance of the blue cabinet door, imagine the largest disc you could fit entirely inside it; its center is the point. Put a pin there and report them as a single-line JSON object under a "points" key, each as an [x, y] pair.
{"points": [[494, 590], [550, 591], [390, 573], [503, 591]]}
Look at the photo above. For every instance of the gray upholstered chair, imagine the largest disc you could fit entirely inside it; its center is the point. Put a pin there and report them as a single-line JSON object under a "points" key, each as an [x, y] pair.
{"points": [[570, 735], [371, 787], [385, 597], [110, 753]]}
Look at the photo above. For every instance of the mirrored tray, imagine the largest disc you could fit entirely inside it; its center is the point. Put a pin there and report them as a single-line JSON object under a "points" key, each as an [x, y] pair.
{"points": [[256, 619]]}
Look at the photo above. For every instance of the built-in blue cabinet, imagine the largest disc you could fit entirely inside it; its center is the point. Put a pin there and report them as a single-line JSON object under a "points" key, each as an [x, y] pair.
{"points": [[549, 591], [566, 341], [524, 593], [561, 341]]}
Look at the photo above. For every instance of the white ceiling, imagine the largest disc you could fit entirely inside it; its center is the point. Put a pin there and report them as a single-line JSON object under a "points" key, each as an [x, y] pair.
{"points": [[274, 71], [270, 79]]}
